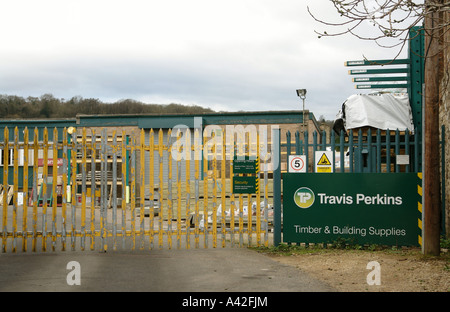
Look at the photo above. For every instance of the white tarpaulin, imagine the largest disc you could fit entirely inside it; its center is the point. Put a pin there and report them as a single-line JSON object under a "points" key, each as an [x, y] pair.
{"points": [[381, 111]]}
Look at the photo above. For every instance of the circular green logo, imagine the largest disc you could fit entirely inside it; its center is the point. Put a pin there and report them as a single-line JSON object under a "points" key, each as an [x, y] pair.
{"points": [[304, 197]]}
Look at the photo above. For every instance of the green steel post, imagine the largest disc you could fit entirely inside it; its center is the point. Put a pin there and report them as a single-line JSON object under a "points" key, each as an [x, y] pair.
{"points": [[306, 149], [397, 149], [388, 150], [351, 154], [288, 144], [416, 73], [297, 143], [359, 155], [324, 140], [314, 149], [416, 151], [416, 82], [276, 154], [378, 150], [342, 142], [369, 151], [407, 150], [333, 148]]}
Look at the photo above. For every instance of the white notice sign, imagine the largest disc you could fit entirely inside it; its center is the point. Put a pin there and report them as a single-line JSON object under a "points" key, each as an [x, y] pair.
{"points": [[297, 163], [324, 161]]}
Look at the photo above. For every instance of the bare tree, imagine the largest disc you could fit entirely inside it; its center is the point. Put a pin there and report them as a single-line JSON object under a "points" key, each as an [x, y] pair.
{"points": [[391, 20]]}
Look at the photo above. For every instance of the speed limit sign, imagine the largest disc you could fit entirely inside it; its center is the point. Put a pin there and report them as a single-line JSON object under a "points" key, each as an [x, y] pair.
{"points": [[297, 163]]}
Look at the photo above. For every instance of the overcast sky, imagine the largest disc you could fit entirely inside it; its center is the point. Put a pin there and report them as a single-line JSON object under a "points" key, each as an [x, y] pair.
{"points": [[227, 55]]}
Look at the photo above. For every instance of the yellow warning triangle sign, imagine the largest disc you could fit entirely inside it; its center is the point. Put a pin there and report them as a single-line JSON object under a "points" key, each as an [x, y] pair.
{"points": [[324, 161]]}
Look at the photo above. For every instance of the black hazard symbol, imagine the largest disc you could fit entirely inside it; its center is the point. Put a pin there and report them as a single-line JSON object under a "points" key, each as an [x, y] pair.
{"points": [[324, 161]]}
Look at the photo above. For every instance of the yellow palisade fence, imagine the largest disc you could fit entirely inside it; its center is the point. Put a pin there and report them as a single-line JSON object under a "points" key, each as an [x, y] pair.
{"points": [[88, 189]]}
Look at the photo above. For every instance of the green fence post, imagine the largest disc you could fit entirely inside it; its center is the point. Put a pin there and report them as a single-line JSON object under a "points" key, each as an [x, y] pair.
{"points": [[333, 149], [407, 149], [359, 156], [369, 151], [297, 143], [378, 150], [350, 150], [416, 152], [288, 144], [388, 150], [397, 149], [306, 149], [416, 75], [324, 140], [315, 148], [276, 159]]}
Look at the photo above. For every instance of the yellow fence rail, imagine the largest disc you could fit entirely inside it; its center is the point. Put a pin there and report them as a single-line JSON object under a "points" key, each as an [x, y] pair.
{"points": [[86, 189]]}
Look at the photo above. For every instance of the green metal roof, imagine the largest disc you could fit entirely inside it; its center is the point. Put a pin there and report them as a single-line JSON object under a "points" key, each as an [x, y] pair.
{"points": [[165, 121], [31, 124], [153, 121]]}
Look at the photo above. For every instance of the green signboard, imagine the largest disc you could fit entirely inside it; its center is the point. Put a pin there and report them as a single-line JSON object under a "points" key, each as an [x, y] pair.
{"points": [[362, 208], [245, 166], [248, 184], [245, 185]]}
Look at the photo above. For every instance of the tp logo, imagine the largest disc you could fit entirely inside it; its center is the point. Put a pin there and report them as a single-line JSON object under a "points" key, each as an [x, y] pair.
{"points": [[304, 197]]}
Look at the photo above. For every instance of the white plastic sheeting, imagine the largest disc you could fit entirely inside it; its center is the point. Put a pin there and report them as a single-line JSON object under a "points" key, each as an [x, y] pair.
{"points": [[381, 111]]}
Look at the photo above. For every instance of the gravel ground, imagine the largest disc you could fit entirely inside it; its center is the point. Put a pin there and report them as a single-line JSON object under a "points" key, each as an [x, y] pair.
{"points": [[406, 270]]}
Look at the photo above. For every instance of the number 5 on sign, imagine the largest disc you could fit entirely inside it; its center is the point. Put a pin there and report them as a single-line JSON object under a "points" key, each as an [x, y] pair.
{"points": [[297, 163]]}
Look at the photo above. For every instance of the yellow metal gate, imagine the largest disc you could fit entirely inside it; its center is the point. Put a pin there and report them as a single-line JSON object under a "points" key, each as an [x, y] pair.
{"points": [[86, 189]]}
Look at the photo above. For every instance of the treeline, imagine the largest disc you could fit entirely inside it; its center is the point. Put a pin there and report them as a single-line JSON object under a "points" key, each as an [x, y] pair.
{"points": [[47, 106]]}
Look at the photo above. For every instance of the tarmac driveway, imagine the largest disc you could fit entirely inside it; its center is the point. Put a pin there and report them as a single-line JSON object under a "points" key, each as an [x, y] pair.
{"points": [[193, 270]]}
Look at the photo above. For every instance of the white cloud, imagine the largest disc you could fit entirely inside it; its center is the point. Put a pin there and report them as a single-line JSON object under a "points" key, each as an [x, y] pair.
{"points": [[227, 55]]}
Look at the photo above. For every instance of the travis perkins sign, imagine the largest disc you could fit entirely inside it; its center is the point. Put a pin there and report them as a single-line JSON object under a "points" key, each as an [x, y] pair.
{"points": [[362, 208]]}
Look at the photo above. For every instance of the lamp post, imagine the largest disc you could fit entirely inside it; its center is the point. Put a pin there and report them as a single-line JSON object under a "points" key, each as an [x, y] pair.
{"points": [[302, 94]]}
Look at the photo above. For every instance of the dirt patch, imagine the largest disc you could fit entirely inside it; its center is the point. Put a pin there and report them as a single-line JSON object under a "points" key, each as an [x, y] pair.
{"points": [[400, 271]]}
